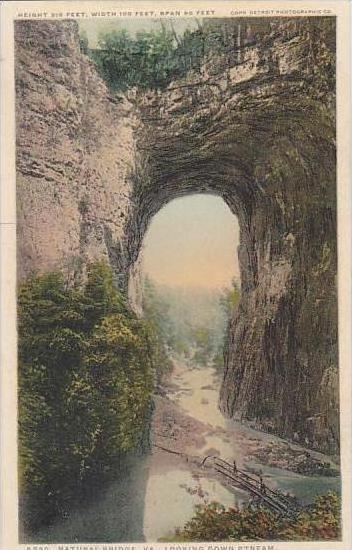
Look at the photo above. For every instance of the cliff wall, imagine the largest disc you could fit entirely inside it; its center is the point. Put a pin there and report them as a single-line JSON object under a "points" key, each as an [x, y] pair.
{"points": [[255, 127], [75, 155]]}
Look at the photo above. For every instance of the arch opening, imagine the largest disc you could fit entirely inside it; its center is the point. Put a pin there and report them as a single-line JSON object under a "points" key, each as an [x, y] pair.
{"points": [[192, 241], [189, 273]]}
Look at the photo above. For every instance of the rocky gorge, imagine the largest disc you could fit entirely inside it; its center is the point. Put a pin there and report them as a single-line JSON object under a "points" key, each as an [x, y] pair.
{"points": [[256, 128]]}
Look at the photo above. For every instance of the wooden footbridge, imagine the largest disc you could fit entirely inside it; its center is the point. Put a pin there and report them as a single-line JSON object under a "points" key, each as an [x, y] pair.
{"points": [[260, 492], [253, 484]]}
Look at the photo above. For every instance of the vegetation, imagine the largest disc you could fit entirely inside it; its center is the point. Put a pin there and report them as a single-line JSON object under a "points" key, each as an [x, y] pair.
{"points": [[87, 368], [145, 61], [203, 344], [156, 313], [189, 322], [230, 298], [228, 301], [152, 59], [212, 522]]}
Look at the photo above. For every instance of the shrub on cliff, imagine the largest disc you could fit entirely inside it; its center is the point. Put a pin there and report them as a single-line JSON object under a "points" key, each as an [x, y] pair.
{"points": [[228, 302], [150, 59], [145, 61], [86, 375]]}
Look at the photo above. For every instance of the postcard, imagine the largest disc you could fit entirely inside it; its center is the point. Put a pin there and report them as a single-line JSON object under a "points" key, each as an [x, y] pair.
{"points": [[176, 268]]}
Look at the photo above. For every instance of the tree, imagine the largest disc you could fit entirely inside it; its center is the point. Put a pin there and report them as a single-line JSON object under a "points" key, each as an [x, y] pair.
{"points": [[83, 42], [51, 346], [228, 301], [230, 298], [101, 293], [86, 376], [146, 61], [204, 345], [156, 315]]}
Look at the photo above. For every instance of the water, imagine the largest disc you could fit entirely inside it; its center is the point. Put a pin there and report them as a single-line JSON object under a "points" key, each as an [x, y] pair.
{"points": [[171, 496], [158, 494], [200, 400], [171, 499], [112, 514]]}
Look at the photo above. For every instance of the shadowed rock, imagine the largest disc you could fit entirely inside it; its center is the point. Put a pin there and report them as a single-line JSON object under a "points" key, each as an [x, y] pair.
{"points": [[257, 129]]}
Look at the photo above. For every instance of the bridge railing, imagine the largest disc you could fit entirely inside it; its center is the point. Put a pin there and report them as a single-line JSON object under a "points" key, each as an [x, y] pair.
{"points": [[255, 486], [256, 481]]}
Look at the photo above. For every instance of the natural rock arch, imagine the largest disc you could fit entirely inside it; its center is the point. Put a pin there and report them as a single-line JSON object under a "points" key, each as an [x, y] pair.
{"points": [[250, 135], [258, 131]]}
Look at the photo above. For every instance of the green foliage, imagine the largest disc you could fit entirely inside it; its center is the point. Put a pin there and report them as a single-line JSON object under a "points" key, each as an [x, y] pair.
{"points": [[189, 322], [230, 298], [146, 61], [156, 314], [228, 301], [101, 291], [122, 371], [151, 59], [212, 522], [86, 376], [203, 343]]}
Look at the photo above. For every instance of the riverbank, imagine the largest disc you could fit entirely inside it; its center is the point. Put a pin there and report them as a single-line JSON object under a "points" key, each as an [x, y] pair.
{"points": [[153, 495], [187, 427]]}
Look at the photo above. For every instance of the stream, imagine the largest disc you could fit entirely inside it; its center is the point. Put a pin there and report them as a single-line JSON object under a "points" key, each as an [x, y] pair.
{"points": [[175, 487], [157, 494]]}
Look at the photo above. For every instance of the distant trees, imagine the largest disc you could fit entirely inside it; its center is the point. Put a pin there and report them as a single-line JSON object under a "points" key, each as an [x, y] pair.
{"points": [[156, 315], [160, 312], [191, 323], [229, 298], [87, 369], [203, 343]]}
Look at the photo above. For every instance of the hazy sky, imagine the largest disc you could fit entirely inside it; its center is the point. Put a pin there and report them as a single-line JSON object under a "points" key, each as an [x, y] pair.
{"points": [[193, 241]]}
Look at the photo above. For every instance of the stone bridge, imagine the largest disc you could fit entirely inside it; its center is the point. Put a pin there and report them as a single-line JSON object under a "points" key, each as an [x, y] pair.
{"points": [[255, 127]]}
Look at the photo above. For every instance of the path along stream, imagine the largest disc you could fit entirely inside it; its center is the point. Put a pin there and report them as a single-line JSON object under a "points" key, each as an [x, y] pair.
{"points": [[158, 493]]}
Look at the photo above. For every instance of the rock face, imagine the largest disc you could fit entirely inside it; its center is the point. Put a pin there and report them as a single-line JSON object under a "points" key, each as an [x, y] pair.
{"points": [[256, 128], [75, 155]]}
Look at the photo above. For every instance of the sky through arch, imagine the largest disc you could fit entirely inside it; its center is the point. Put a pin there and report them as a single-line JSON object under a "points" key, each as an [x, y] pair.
{"points": [[192, 241]]}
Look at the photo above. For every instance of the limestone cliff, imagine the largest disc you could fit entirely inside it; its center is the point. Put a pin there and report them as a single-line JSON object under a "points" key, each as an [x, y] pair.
{"points": [[75, 155], [256, 127]]}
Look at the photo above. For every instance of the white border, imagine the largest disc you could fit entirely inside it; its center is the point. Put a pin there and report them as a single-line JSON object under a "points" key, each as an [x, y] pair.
{"points": [[8, 405]]}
